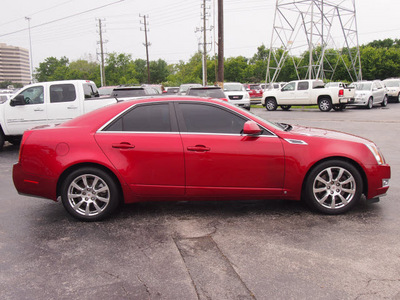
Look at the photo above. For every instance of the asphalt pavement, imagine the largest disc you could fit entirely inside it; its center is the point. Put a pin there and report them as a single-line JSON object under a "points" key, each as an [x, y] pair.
{"points": [[210, 250]]}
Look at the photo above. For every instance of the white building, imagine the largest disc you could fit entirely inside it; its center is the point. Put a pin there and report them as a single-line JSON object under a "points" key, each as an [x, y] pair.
{"points": [[14, 64]]}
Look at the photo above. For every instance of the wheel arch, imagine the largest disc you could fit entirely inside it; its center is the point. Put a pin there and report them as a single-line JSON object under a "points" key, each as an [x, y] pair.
{"points": [[346, 159], [92, 165], [320, 97]]}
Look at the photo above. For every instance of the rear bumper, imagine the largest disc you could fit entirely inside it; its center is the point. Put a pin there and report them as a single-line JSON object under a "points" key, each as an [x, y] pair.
{"points": [[33, 184]]}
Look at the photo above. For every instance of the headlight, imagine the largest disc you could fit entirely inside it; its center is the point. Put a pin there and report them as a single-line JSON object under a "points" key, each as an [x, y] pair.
{"points": [[246, 96], [376, 153]]}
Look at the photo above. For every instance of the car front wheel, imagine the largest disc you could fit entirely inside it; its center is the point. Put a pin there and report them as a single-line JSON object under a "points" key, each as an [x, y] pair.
{"points": [[89, 194], [370, 103], [333, 187], [384, 101]]}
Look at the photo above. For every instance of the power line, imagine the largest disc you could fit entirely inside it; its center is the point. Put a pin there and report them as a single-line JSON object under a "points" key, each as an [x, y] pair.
{"points": [[60, 19]]}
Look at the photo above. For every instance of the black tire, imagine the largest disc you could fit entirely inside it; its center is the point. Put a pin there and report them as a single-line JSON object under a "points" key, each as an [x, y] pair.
{"points": [[95, 199], [286, 107], [2, 139], [270, 104], [325, 104], [398, 98], [384, 101], [16, 140], [339, 107], [333, 187], [370, 103]]}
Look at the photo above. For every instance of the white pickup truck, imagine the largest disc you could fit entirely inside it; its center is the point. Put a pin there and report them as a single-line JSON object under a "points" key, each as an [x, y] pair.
{"points": [[308, 92], [47, 103]]}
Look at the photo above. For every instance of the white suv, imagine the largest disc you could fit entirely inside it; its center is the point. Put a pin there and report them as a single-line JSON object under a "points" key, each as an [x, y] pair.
{"points": [[369, 93], [393, 87], [237, 94]]}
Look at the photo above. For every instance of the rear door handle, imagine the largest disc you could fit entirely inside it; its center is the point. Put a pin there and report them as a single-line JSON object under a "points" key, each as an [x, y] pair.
{"points": [[198, 148], [123, 145]]}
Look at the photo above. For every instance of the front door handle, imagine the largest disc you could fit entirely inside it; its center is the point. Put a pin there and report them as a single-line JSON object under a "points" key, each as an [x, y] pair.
{"points": [[198, 148], [123, 145]]}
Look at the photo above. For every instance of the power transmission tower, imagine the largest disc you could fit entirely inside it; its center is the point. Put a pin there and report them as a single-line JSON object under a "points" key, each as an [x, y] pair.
{"points": [[320, 31], [146, 44], [101, 43], [204, 30]]}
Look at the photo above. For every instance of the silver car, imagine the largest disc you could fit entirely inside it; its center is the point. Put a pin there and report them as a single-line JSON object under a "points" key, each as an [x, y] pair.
{"points": [[370, 93]]}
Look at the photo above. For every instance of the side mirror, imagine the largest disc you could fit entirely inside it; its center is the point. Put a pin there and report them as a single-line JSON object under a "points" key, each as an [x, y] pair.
{"points": [[251, 127], [18, 100]]}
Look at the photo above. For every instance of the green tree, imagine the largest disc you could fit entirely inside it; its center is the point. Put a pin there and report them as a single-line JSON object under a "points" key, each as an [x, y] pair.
{"points": [[48, 70], [120, 69]]}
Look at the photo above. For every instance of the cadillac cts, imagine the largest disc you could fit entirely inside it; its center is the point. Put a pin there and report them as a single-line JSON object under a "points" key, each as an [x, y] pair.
{"points": [[190, 149]]}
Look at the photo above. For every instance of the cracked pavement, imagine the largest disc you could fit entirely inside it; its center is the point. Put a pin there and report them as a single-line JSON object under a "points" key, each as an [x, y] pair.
{"points": [[210, 250]]}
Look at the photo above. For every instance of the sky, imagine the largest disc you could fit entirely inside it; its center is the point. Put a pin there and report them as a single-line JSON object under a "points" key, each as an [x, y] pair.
{"points": [[70, 27]]}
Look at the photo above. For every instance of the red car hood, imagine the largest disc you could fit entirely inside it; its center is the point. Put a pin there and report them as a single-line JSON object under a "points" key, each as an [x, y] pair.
{"points": [[325, 133]]}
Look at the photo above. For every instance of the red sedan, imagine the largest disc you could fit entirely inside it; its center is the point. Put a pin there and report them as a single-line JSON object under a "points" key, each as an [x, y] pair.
{"points": [[191, 149]]}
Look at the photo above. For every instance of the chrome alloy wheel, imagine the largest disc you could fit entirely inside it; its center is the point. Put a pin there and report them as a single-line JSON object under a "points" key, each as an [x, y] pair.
{"points": [[334, 187], [88, 195]]}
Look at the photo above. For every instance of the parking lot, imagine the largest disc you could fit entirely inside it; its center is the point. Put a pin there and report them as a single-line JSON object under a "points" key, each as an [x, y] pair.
{"points": [[210, 250]]}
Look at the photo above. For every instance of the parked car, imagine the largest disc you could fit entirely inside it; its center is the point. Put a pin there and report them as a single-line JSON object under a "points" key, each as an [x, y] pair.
{"points": [[4, 97], [45, 103], [237, 94], [184, 87], [272, 86], [393, 88], [336, 84], [370, 93], [105, 91], [211, 149], [171, 90], [308, 92], [207, 91], [134, 91], [254, 90]]}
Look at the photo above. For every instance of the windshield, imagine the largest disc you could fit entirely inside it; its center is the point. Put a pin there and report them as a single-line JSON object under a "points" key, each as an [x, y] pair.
{"points": [[233, 87], [392, 83], [363, 86]]}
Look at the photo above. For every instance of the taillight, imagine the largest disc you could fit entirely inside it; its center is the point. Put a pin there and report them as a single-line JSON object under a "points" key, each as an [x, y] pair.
{"points": [[24, 138], [341, 93]]}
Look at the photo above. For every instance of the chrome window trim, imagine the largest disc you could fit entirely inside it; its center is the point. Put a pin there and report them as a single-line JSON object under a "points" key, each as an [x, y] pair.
{"points": [[101, 129]]}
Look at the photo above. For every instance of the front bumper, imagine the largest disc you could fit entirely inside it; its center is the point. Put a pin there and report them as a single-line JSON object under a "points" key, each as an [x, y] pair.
{"points": [[378, 181]]}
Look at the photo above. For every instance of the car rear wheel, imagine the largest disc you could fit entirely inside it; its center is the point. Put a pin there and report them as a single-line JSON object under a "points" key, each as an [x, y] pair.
{"points": [[325, 104], [333, 187], [398, 98], [270, 104], [89, 194], [286, 107]]}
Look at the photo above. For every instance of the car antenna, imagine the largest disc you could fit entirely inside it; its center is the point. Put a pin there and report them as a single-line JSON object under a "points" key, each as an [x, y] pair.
{"points": [[115, 97]]}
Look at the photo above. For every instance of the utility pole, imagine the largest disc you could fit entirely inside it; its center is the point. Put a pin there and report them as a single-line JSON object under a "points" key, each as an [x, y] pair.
{"points": [[204, 31], [204, 44], [30, 46], [146, 44], [101, 42], [220, 77]]}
